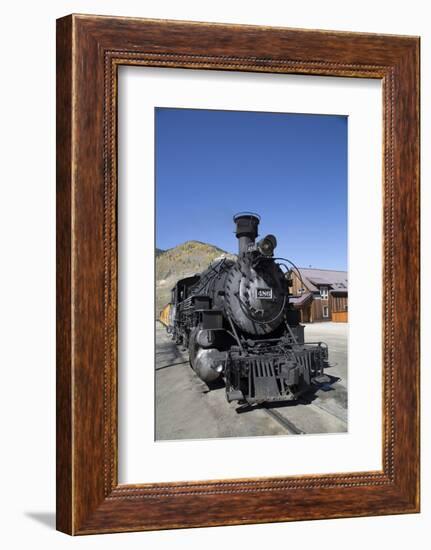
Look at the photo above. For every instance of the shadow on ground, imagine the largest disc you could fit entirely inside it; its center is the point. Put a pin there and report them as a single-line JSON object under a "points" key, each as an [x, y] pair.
{"points": [[45, 518], [215, 385]]}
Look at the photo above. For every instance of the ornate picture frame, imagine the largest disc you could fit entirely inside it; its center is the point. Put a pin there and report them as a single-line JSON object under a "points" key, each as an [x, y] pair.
{"points": [[89, 51]]}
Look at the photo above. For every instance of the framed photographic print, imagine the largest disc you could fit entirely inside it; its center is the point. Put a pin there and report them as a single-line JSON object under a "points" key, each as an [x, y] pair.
{"points": [[237, 274]]}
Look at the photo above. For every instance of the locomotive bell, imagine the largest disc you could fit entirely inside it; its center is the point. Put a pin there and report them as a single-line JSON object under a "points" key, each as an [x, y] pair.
{"points": [[267, 245]]}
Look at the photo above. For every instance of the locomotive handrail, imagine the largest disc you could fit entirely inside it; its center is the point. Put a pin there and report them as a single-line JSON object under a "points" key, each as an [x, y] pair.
{"points": [[284, 260]]}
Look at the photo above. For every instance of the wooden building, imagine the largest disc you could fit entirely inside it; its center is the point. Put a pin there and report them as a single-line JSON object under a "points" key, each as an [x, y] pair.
{"points": [[320, 295]]}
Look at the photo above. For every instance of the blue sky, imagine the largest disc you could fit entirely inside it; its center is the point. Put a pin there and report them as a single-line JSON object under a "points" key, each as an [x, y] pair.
{"points": [[289, 168]]}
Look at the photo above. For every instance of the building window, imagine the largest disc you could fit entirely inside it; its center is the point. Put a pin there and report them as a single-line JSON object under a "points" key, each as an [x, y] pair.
{"points": [[325, 312], [324, 292]]}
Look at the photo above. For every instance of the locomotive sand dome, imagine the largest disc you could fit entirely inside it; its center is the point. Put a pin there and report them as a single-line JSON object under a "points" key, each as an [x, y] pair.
{"points": [[237, 322]]}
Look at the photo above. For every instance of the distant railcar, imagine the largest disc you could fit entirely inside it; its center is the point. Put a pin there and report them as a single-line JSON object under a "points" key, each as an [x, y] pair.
{"points": [[165, 315], [236, 321]]}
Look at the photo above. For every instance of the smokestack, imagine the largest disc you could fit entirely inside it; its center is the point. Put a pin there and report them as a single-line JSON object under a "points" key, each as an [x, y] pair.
{"points": [[246, 229]]}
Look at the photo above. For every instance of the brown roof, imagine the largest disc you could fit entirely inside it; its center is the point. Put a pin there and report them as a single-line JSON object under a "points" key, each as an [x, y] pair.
{"points": [[299, 301], [313, 278]]}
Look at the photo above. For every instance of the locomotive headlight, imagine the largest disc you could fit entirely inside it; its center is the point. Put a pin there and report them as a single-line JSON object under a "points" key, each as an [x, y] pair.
{"points": [[267, 245]]}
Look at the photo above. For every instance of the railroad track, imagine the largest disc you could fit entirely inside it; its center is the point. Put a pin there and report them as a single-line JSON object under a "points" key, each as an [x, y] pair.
{"points": [[172, 365], [288, 425]]}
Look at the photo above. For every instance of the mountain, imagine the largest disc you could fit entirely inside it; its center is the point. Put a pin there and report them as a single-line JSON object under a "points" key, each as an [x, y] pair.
{"points": [[181, 261]]}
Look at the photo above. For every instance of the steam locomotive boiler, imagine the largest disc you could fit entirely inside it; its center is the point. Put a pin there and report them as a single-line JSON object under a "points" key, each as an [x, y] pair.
{"points": [[237, 322]]}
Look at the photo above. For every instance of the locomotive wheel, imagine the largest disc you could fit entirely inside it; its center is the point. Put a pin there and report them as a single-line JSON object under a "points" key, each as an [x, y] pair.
{"points": [[192, 347]]}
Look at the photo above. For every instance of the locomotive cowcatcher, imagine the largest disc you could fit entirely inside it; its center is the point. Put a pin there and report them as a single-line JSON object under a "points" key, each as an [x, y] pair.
{"points": [[237, 322]]}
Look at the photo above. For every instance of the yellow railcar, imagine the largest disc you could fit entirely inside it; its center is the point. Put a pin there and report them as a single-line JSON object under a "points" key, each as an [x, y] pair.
{"points": [[165, 315]]}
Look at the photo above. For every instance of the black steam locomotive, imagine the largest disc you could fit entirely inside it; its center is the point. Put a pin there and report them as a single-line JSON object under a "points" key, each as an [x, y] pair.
{"points": [[236, 320]]}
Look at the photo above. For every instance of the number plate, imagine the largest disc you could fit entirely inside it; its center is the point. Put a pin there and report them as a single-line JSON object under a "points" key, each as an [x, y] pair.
{"points": [[264, 293]]}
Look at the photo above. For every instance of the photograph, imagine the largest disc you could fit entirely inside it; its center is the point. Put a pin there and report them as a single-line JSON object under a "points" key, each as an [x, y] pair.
{"points": [[251, 274]]}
